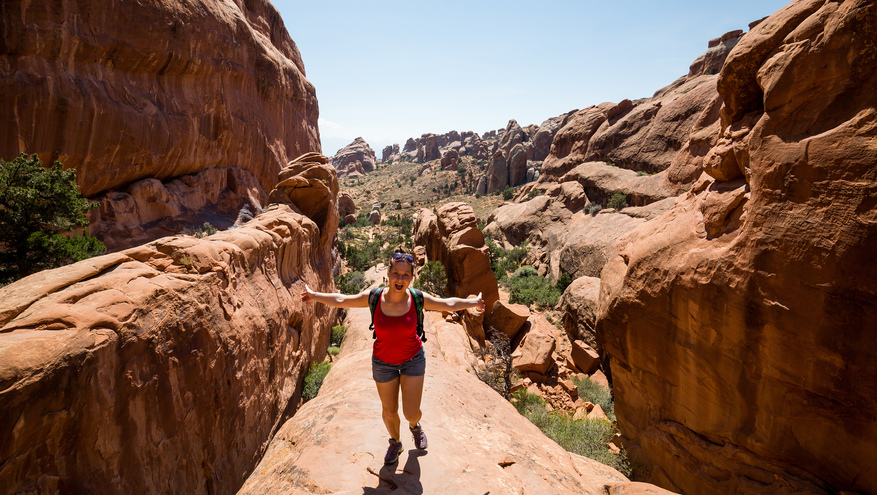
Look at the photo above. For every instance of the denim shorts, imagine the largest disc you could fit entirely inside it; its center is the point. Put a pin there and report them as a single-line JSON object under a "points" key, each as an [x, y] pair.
{"points": [[383, 372]]}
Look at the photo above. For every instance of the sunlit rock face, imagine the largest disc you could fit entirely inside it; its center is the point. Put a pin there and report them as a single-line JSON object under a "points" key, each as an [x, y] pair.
{"points": [[740, 323], [125, 91], [165, 368]]}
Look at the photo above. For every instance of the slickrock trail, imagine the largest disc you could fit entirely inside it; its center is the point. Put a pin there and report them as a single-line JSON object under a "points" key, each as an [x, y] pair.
{"points": [[478, 443]]}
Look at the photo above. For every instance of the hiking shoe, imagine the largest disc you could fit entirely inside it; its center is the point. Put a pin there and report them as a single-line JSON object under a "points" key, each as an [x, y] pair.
{"points": [[419, 436], [393, 452]]}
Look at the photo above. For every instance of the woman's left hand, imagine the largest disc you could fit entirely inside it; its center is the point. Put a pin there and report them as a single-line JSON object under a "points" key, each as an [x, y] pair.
{"points": [[479, 302]]}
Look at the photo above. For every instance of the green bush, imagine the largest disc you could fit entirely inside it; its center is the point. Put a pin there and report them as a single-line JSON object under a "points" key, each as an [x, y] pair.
{"points": [[314, 380], [593, 208], [525, 271], [595, 393], [533, 193], [333, 350], [350, 283], [432, 278], [563, 282], [532, 289], [617, 201], [587, 437], [338, 332], [38, 208], [508, 192]]}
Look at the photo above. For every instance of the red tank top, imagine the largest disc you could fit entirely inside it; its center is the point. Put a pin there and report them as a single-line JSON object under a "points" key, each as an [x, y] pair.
{"points": [[397, 339]]}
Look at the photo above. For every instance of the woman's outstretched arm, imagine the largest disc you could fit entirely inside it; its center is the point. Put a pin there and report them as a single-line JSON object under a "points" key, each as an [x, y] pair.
{"points": [[336, 298], [449, 303]]}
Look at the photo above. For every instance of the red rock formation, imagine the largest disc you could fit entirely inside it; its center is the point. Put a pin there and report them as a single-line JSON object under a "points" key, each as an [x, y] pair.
{"points": [[714, 58], [150, 209], [355, 159], [164, 368], [740, 322], [155, 90], [454, 239], [346, 206]]}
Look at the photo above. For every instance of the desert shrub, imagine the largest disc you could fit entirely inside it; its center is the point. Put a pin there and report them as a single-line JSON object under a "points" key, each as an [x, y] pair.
{"points": [[361, 258], [333, 351], [350, 283], [525, 271], [617, 201], [595, 393], [38, 209], [207, 229], [314, 380], [508, 192], [587, 437], [563, 282], [593, 208], [532, 289], [533, 193], [338, 332], [432, 278], [497, 356]]}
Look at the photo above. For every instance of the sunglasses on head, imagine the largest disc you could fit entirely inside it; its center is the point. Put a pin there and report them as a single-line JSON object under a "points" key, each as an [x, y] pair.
{"points": [[403, 257]]}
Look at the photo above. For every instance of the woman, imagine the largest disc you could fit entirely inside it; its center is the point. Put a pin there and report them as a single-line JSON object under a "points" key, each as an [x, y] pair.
{"points": [[398, 360]]}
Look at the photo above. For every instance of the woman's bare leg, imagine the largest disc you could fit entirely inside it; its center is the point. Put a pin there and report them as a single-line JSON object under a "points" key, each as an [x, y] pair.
{"points": [[389, 394], [412, 392]]}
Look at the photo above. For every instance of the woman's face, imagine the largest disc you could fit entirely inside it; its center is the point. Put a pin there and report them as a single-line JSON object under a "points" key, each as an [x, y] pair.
{"points": [[400, 275]]}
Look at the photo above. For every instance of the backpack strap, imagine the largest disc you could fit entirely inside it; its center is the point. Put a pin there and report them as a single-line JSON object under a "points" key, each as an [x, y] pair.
{"points": [[418, 303], [373, 297]]}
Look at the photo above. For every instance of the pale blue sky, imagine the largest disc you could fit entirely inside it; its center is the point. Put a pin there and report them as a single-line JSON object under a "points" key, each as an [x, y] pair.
{"points": [[390, 70]]}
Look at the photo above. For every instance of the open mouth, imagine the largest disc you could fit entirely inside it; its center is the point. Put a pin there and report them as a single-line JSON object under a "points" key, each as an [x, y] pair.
{"points": [[399, 286]]}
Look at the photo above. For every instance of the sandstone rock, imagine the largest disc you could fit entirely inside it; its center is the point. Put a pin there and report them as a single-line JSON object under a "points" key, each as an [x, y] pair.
{"points": [[578, 304], [534, 352], [121, 365], [355, 159], [601, 181], [731, 314], [310, 184], [410, 145], [597, 413], [512, 136], [449, 160], [590, 243], [149, 209], [346, 206], [570, 143], [350, 219], [584, 357], [599, 378], [156, 90], [517, 166], [389, 152], [430, 145], [497, 173], [713, 59], [508, 318], [336, 442]]}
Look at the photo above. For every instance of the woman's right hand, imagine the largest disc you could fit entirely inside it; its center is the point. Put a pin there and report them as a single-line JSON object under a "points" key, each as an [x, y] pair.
{"points": [[307, 295]]}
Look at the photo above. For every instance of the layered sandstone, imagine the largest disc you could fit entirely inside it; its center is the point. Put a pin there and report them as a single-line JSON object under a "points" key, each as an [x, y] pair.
{"points": [[453, 238], [336, 442], [740, 322], [157, 90], [165, 368], [355, 159]]}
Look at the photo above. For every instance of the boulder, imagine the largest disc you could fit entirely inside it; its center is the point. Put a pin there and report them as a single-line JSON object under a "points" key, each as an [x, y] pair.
{"points": [[121, 365], [346, 206], [578, 305], [535, 351], [310, 184], [355, 159], [570, 144], [707, 325], [350, 219], [512, 136], [156, 90], [508, 318], [597, 413], [584, 357]]}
